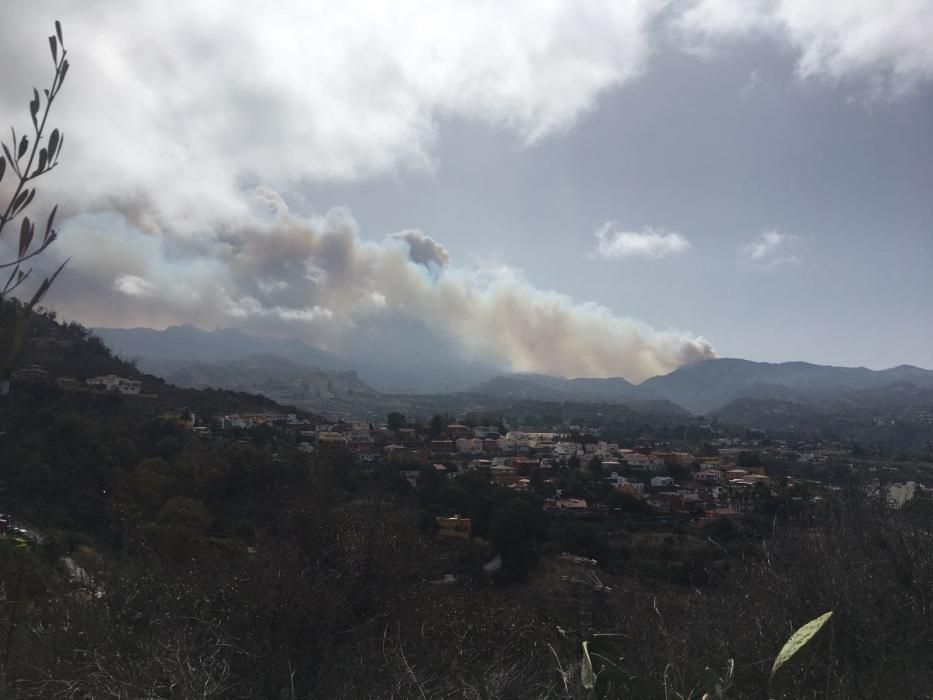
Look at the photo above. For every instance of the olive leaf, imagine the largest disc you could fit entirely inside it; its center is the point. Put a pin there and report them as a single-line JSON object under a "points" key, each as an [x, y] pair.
{"points": [[587, 674], [34, 105], [53, 143], [27, 231], [44, 287], [798, 640], [48, 225]]}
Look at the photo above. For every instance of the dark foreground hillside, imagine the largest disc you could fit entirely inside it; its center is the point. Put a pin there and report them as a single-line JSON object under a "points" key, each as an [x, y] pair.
{"points": [[167, 563]]}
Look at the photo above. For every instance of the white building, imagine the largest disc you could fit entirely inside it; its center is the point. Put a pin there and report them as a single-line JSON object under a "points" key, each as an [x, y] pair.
{"points": [[111, 382], [619, 482], [616, 480], [360, 434], [661, 481], [568, 449], [520, 438], [469, 446], [486, 431], [647, 463], [899, 494], [328, 436], [607, 449], [709, 476], [234, 421]]}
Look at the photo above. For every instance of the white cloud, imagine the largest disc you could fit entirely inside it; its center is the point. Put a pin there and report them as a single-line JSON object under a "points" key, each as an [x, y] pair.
{"points": [[886, 42], [134, 286], [648, 243], [771, 248], [181, 104]]}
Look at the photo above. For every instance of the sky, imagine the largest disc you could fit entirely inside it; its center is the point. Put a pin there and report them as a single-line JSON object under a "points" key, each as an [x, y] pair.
{"points": [[578, 188]]}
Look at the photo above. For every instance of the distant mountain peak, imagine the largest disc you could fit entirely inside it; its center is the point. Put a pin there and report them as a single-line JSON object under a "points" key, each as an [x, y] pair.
{"points": [[189, 343], [547, 387], [708, 385]]}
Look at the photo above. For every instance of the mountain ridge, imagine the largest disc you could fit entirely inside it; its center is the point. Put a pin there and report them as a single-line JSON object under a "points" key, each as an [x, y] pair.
{"points": [[707, 385], [701, 387], [189, 343]]}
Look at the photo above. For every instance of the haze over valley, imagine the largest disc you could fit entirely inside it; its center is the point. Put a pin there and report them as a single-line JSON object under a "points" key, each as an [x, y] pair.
{"points": [[296, 373]]}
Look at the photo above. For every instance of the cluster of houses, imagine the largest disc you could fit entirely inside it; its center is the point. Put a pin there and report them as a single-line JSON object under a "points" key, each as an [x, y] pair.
{"points": [[108, 382], [112, 382], [245, 421], [510, 457], [671, 482]]}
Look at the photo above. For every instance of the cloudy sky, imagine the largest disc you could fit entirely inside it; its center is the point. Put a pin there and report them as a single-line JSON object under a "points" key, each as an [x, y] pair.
{"points": [[585, 188]]}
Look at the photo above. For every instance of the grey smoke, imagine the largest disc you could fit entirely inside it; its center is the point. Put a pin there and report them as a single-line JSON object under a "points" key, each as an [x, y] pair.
{"points": [[423, 249], [315, 278]]}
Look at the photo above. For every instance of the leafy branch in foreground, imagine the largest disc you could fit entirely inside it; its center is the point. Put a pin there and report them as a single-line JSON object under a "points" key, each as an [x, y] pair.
{"points": [[25, 158]]}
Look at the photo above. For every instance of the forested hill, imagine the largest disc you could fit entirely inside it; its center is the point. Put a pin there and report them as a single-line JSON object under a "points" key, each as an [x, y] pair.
{"points": [[56, 358], [61, 349], [92, 461]]}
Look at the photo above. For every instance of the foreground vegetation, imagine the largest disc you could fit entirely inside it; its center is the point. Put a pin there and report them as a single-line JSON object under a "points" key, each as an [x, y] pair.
{"points": [[169, 565]]}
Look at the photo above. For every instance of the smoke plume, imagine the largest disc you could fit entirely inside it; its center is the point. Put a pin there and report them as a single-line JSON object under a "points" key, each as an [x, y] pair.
{"points": [[273, 271]]}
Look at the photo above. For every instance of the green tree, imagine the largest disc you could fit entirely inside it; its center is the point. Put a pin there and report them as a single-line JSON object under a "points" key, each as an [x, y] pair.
{"points": [[151, 483], [510, 534], [919, 509], [722, 529], [679, 471], [437, 426], [429, 485], [185, 512], [627, 504], [572, 483], [395, 421], [584, 539], [597, 490], [539, 486], [707, 450]]}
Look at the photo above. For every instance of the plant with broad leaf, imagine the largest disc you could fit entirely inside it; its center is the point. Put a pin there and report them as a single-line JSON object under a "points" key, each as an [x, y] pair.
{"points": [[717, 687], [600, 669], [24, 159], [601, 674], [798, 640]]}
